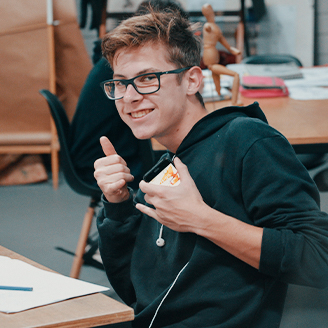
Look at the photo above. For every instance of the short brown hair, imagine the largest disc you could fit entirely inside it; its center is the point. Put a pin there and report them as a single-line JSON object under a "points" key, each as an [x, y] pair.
{"points": [[168, 28]]}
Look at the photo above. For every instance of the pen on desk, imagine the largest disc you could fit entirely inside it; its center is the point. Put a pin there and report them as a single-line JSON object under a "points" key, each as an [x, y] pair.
{"points": [[26, 289]]}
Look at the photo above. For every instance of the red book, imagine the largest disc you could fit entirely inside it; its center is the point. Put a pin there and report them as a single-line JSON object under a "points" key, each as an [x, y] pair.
{"points": [[262, 86]]}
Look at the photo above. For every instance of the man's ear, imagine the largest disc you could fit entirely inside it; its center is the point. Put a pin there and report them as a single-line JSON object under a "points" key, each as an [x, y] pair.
{"points": [[195, 80]]}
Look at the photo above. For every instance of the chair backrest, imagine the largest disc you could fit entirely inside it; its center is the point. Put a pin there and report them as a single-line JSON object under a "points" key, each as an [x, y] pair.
{"points": [[62, 124], [272, 59]]}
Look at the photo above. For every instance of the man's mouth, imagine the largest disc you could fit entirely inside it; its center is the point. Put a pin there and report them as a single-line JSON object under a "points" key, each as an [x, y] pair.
{"points": [[140, 113]]}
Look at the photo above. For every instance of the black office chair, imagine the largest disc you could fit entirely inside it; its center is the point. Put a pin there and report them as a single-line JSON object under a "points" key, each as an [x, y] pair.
{"points": [[77, 184], [310, 161], [272, 59]]}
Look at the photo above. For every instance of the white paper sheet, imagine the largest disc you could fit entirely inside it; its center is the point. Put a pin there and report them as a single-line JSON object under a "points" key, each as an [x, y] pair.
{"points": [[48, 287], [309, 93], [312, 86], [312, 77]]}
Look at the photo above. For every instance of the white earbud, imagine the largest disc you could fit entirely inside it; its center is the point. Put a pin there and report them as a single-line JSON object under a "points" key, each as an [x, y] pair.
{"points": [[160, 242]]}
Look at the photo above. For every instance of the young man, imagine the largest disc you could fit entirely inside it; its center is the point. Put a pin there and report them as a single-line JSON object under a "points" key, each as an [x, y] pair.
{"points": [[219, 249], [96, 116]]}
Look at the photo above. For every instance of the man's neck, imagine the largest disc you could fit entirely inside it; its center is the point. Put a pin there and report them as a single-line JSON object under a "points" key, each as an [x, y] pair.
{"points": [[173, 141]]}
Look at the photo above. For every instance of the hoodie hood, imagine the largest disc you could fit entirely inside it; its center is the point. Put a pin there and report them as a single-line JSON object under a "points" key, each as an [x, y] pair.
{"points": [[217, 119]]}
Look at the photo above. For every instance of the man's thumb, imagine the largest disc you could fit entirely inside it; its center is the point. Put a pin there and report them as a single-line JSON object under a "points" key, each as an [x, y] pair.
{"points": [[181, 168], [107, 146]]}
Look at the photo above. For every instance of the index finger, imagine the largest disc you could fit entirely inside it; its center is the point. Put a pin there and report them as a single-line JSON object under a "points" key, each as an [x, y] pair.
{"points": [[150, 188], [107, 146]]}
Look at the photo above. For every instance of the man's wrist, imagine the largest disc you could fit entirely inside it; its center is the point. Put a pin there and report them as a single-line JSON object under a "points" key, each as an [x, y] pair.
{"points": [[118, 211], [126, 198]]}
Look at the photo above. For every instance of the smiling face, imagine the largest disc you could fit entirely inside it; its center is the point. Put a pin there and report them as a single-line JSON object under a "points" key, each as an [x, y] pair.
{"points": [[168, 114]]}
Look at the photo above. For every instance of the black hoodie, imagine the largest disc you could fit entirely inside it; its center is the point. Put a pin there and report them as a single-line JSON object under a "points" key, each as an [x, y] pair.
{"points": [[245, 169]]}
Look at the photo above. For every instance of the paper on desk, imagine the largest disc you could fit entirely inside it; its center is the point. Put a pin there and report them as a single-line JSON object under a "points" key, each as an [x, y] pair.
{"points": [[48, 287], [310, 87], [308, 93], [312, 77]]}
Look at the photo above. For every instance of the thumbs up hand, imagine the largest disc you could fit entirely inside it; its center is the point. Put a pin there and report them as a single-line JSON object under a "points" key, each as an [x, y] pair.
{"points": [[112, 173]]}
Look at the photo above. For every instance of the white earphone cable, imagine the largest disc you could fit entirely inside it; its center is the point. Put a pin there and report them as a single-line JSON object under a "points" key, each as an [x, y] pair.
{"points": [[167, 293]]}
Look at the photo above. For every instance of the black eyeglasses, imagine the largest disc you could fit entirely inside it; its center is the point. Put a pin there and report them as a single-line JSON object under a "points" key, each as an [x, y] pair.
{"points": [[144, 84]]}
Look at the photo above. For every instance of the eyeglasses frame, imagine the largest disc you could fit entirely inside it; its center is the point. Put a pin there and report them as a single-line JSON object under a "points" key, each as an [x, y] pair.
{"points": [[127, 82]]}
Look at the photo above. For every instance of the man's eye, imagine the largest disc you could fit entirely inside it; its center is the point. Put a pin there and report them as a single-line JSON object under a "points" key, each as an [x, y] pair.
{"points": [[147, 78], [119, 85]]}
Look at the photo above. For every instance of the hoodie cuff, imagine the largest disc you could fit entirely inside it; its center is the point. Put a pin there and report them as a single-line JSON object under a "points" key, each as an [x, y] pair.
{"points": [[119, 211], [271, 252]]}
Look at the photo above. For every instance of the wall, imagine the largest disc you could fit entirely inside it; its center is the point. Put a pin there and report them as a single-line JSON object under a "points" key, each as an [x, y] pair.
{"points": [[322, 32], [288, 27], [296, 29]]}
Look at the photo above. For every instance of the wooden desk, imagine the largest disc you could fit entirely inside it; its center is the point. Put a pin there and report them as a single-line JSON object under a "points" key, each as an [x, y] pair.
{"points": [[85, 311], [303, 122]]}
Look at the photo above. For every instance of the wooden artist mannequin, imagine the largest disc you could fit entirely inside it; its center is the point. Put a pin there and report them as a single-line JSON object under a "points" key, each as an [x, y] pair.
{"points": [[212, 34]]}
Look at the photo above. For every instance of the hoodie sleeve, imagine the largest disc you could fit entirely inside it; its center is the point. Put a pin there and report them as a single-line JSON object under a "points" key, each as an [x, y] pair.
{"points": [[118, 225], [281, 197]]}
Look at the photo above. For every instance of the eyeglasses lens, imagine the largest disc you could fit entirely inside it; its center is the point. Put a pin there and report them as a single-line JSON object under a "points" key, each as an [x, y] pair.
{"points": [[147, 83]]}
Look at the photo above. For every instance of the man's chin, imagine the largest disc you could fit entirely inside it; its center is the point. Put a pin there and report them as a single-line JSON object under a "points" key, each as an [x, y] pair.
{"points": [[140, 135]]}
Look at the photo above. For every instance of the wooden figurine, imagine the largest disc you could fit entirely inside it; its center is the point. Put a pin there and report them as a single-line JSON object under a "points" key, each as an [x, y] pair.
{"points": [[212, 34]]}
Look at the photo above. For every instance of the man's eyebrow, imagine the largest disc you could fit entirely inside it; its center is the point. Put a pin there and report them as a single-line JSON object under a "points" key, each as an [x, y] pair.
{"points": [[144, 71]]}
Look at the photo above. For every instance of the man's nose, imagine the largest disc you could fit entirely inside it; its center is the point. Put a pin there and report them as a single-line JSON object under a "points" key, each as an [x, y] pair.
{"points": [[131, 94]]}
